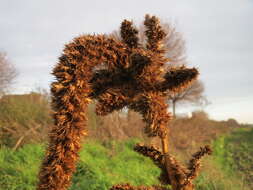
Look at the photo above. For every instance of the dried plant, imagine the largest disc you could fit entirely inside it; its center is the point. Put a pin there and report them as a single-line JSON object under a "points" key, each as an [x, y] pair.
{"points": [[183, 177], [116, 74], [130, 187], [192, 94]]}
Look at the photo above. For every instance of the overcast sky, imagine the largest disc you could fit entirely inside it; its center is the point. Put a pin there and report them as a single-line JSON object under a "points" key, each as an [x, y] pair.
{"points": [[218, 34]]}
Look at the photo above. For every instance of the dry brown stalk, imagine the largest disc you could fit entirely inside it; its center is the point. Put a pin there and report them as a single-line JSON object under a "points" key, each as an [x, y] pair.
{"points": [[117, 74], [130, 187], [24, 135], [158, 159], [183, 177]]}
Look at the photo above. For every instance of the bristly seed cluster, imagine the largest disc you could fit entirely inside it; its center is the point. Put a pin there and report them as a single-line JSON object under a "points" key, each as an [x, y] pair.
{"points": [[117, 74]]}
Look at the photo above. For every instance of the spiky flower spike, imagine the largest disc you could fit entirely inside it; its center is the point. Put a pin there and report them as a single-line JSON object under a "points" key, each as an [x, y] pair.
{"points": [[129, 34], [116, 74], [130, 187], [183, 177]]}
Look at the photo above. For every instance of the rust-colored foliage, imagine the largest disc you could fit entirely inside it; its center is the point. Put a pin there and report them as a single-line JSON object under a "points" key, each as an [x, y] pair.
{"points": [[116, 74], [158, 159], [183, 177], [130, 187]]}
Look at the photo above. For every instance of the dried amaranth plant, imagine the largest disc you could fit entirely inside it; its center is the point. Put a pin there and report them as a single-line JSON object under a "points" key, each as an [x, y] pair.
{"points": [[117, 74]]}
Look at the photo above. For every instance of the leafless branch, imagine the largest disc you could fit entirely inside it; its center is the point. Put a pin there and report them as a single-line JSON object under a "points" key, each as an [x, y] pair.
{"points": [[7, 73]]}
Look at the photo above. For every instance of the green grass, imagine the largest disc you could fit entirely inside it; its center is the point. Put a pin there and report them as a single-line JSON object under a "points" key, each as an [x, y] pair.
{"points": [[100, 167], [230, 167], [234, 154], [18, 169]]}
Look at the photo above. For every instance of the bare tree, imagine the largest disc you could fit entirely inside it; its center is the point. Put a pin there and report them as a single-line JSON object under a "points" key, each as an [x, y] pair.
{"points": [[175, 45], [192, 94], [176, 53], [7, 73]]}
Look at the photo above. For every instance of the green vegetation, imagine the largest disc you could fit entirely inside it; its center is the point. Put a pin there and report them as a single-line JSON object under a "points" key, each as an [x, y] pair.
{"points": [[215, 179], [230, 167], [24, 119], [18, 168], [109, 162], [23, 109], [100, 166], [234, 154], [103, 164]]}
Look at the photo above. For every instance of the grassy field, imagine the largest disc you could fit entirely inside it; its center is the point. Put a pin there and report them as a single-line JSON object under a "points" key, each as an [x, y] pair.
{"points": [[230, 167], [103, 164], [99, 168], [234, 154], [105, 161]]}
